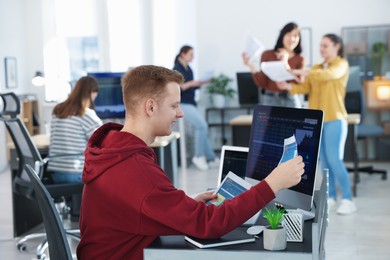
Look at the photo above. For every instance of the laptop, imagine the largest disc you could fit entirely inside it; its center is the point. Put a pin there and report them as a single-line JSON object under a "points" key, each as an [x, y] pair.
{"points": [[234, 158]]}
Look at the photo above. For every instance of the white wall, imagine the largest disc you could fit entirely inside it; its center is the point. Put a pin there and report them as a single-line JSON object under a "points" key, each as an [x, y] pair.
{"points": [[215, 28], [11, 44], [20, 31], [221, 24]]}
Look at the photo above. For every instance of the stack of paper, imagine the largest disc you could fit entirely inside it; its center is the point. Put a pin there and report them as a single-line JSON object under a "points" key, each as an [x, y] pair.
{"points": [[276, 71]]}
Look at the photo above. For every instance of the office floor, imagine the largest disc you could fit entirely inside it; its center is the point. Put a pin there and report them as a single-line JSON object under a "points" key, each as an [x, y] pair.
{"points": [[361, 236]]}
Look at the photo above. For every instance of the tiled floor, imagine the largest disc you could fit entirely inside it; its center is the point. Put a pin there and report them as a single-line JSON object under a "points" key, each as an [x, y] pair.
{"points": [[361, 236]]}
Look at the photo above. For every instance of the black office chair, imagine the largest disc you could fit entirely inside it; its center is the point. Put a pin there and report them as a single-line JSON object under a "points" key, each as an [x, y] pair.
{"points": [[56, 236], [355, 104], [28, 153]]}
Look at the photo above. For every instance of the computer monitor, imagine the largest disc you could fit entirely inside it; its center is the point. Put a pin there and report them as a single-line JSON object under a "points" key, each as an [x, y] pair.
{"points": [[248, 92], [280, 133], [109, 102]]}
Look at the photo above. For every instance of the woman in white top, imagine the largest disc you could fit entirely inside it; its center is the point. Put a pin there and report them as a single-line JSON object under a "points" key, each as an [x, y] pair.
{"points": [[73, 122]]}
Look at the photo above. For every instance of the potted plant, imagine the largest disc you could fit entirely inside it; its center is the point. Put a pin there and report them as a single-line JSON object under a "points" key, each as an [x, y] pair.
{"points": [[275, 233], [219, 90], [378, 52]]}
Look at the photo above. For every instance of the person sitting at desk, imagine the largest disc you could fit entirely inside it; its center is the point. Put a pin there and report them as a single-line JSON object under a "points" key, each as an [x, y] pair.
{"points": [[73, 122], [128, 200]]}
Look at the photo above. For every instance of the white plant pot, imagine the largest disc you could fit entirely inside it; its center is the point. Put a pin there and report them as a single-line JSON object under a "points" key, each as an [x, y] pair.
{"points": [[275, 239], [218, 100]]}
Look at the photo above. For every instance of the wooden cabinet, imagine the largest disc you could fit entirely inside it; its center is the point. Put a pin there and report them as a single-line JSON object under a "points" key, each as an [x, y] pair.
{"points": [[30, 114]]}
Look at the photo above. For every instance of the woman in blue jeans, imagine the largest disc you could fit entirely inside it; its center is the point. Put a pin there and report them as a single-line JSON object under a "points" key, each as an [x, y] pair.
{"points": [[203, 151], [326, 85], [331, 156]]}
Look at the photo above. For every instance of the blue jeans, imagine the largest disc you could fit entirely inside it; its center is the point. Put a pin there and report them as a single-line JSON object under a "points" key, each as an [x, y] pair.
{"points": [[202, 143], [334, 135], [66, 177]]}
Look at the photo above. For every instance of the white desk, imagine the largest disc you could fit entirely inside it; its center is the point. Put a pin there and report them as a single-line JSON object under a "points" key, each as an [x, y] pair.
{"points": [[312, 247], [169, 164]]}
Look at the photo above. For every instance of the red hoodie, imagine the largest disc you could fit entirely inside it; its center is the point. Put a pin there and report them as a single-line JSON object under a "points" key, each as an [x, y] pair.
{"points": [[128, 201]]}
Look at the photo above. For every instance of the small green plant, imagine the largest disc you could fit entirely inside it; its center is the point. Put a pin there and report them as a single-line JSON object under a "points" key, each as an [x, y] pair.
{"points": [[220, 85], [274, 216], [378, 52]]}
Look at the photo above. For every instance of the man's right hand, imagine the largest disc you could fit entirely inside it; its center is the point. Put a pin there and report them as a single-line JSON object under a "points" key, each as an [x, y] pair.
{"points": [[286, 175]]}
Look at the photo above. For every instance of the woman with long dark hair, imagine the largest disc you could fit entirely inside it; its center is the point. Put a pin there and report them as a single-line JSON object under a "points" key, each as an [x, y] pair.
{"points": [[288, 49], [73, 122], [326, 85]]}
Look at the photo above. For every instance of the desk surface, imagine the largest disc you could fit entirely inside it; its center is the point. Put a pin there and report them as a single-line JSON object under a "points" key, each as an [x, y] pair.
{"points": [[175, 247], [247, 119]]}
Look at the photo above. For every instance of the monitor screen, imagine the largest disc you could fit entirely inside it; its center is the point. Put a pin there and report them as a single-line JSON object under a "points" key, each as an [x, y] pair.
{"points": [[248, 92], [109, 102], [279, 134]]}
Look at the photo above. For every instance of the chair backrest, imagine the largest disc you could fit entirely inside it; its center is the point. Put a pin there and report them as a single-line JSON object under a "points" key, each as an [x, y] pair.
{"points": [[10, 105], [56, 236], [25, 148], [354, 98]]}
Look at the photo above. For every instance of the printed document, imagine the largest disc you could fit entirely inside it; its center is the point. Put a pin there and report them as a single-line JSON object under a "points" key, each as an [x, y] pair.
{"points": [[230, 187], [289, 149], [207, 75], [252, 46], [276, 70]]}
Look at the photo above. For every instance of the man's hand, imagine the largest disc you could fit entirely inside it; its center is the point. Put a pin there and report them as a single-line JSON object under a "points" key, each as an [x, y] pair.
{"points": [[286, 175], [206, 196]]}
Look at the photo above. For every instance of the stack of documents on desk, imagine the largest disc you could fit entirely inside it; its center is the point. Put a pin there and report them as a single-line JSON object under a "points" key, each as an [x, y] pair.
{"points": [[237, 236]]}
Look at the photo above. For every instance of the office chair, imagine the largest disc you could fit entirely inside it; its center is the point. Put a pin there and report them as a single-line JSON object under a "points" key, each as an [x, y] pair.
{"points": [[56, 236], [355, 104], [22, 188]]}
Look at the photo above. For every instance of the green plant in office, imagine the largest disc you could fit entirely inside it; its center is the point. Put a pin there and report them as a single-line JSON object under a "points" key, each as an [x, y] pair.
{"points": [[275, 237], [274, 216], [220, 85], [378, 53]]}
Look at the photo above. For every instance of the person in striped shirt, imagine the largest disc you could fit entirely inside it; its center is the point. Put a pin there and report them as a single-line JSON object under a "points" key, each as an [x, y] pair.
{"points": [[73, 122]]}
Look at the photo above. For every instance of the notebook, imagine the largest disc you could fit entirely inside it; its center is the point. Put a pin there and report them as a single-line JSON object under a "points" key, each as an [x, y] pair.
{"points": [[236, 236], [234, 158]]}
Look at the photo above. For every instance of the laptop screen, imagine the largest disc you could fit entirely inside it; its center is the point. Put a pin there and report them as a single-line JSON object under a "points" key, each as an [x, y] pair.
{"points": [[233, 158]]}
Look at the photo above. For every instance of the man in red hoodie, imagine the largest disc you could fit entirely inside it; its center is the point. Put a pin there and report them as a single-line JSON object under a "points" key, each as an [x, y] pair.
{"points": [[128, 200]]}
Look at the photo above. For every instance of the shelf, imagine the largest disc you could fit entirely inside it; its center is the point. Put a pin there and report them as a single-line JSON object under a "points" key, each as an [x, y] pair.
{"points": [[220, 118], [359, 43]]}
